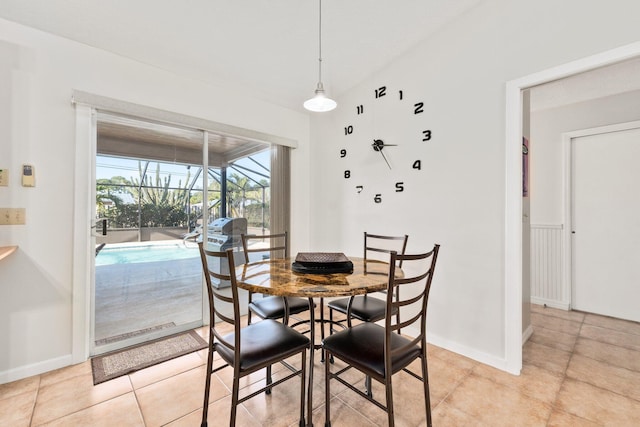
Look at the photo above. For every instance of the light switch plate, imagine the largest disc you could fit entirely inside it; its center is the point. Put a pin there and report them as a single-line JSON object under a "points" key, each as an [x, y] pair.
{"points": [[12, 216], [4, 177]]}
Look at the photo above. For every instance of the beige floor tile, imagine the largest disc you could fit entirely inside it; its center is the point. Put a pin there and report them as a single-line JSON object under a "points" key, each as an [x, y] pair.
{"points": [[446, 415], [121, 411], [218, 416], [455, 359], [165, 370], [555, 323], [282, 406], [613, 354], [14, 388], [555, 339], [66, 373], [16, 410], [74, 394], [563, 419], [533, 381], [613, 323], [576, 316], [603, 375], [598, 405], [444, 377], [497, 405], [609, 336], [408, 401], [342, 415], [545, 357], [170, 399]]}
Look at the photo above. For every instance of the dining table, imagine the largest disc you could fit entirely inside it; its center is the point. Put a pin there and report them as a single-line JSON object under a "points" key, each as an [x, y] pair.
{"points": [[276, 277]]}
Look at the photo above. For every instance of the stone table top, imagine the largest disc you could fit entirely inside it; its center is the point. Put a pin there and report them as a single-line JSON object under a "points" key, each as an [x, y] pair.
{"points": [[275, 277]]}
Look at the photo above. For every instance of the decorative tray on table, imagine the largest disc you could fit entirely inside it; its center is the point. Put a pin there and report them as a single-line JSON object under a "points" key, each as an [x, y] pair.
{"points": [[322, 263]]}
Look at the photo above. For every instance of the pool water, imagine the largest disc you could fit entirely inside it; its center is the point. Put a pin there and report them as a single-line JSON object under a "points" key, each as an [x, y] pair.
{"points": [[145, 253]]}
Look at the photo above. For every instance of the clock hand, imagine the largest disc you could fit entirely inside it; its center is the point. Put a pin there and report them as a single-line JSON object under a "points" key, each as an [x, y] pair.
{"points": [[379, 144], [385, 159]]}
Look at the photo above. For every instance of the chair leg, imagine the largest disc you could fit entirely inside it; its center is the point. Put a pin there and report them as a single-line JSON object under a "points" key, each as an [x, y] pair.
{"points": [[425, 381], [234, 399], [207, 384], [389, 390], [367, 385], [327, 392], [302, 385], [269, 380]]}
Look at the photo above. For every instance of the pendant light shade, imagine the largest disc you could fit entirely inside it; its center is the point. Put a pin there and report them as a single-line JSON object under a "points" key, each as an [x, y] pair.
{"points": [[320, 102]]}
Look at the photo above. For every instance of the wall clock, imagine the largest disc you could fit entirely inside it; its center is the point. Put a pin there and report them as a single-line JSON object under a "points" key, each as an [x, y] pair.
{"points": [[384, 144]]}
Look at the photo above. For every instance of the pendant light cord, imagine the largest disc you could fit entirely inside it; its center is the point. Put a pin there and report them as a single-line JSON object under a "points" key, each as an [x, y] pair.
{"points": [[320, 41]]}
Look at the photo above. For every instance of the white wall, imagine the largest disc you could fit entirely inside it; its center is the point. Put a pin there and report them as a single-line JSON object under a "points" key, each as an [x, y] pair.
{"points": [[460, 73], [547, 127], [38, 73]]}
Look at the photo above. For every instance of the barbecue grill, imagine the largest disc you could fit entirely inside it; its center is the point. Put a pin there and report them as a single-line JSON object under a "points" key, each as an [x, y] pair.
{"points": [[223, 234]]}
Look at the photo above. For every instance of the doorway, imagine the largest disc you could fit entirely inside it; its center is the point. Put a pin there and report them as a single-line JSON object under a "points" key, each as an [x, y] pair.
{"points": [[513, 253]]}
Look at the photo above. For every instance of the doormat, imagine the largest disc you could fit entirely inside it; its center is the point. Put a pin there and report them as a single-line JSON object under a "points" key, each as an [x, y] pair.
{"points": [[126, 361]]}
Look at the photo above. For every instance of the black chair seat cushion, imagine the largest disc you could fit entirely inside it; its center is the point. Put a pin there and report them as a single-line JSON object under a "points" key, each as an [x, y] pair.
{"points": [[363, 347], [263, 343], [367, 309], [273, 307]]}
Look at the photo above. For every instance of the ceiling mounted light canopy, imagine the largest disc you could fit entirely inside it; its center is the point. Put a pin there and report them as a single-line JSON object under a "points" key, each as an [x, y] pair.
{"points": [[320, 103]]}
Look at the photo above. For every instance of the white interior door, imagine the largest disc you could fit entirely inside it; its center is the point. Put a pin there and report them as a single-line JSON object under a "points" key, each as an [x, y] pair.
{"points": [[606, 224]]}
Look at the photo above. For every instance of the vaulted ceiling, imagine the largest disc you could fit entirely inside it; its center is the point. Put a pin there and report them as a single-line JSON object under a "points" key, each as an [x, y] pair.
{"points": [[268, 48]]}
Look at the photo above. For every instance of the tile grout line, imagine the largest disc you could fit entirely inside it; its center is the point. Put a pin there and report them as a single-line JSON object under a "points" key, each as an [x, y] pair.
{"points": [[564, 374]]}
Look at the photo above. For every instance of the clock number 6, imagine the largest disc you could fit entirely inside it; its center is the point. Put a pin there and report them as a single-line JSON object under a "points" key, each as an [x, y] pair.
{"points": [[378, 198]]}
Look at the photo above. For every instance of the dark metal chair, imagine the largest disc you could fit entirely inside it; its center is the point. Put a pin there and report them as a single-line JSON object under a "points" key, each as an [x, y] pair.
{"points": [[364, 307], [378, 351], [247, 349], [272, 307]]}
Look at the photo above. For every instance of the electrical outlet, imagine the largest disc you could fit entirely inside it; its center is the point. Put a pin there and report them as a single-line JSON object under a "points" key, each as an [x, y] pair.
{"points": [[4, 177], [12, 216]]}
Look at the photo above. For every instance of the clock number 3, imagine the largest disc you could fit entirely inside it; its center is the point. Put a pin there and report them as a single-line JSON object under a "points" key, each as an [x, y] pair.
{"points": [[426, 135]]}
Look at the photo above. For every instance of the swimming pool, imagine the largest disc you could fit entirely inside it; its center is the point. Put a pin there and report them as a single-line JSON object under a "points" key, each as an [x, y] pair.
{"points": [[128, 254]]}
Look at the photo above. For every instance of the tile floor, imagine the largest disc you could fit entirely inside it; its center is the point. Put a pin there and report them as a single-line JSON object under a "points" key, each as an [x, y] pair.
{"points": [[579, 370]]}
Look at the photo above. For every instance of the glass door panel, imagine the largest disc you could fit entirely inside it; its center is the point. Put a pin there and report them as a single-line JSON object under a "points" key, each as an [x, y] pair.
{"points": [[148, 280]]}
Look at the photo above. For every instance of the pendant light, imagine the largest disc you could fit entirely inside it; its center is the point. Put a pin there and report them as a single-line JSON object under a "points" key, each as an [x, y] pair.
{"points": [[320, 103]]}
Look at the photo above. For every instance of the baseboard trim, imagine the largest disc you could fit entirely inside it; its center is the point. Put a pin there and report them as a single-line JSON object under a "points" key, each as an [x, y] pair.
{"points": [[527, 334], [551, 303], [35, 369]]}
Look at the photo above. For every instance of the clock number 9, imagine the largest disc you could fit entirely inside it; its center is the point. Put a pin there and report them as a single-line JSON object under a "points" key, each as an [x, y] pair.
{"points": [[348, 130], [343, 153], [426, 135], [399, 187], [378, 198], [347, 174]]}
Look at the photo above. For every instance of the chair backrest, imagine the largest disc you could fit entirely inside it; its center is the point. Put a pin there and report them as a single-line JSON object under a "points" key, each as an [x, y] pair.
{"points": [[418, 270], [222, 306], [379, 247], [276, 245]]}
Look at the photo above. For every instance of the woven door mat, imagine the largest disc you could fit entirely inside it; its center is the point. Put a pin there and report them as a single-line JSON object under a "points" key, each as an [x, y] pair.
{"points": [[126, 361]]}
